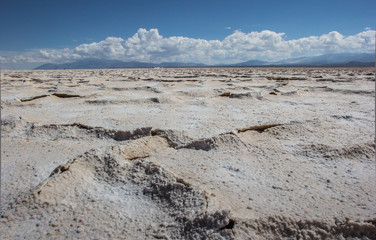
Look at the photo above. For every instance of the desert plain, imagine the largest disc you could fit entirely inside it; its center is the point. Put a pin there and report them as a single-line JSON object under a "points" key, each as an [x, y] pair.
{"points": [[189, 153]]}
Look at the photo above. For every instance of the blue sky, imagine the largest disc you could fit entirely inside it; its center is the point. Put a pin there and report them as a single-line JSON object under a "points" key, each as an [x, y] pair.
{"points": [[207, 31]]}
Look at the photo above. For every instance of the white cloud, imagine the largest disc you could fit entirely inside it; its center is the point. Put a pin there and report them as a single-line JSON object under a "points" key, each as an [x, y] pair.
{"points": [[111, 47], [150, 46]]}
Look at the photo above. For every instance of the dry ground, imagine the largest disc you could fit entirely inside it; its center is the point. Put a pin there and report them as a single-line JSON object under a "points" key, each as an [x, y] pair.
{"points": [[205, 153]]}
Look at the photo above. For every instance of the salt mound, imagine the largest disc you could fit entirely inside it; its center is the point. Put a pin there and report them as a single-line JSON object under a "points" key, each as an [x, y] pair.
{"points": [[102, 194]]}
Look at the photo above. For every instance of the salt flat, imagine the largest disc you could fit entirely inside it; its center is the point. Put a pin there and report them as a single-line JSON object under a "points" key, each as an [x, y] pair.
{"points": [[191, 153]]}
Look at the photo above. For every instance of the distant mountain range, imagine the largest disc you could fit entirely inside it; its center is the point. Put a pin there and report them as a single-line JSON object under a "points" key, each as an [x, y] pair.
{"points": [[329, 60], [94, 63], [334, 59]]}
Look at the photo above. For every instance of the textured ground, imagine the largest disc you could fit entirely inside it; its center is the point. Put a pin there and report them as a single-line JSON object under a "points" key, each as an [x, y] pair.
{"points": [[206, 153]]}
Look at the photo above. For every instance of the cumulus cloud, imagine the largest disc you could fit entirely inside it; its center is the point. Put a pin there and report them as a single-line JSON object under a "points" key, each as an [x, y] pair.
{"points": [[111, 47], [150, 46]]}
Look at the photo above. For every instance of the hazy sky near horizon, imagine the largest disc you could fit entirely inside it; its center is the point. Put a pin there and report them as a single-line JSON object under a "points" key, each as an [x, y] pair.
{"points": [[205, 31]]}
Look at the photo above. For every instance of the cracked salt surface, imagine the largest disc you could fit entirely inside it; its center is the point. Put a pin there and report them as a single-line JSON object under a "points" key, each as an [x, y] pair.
{"points": [[141, 156]]}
